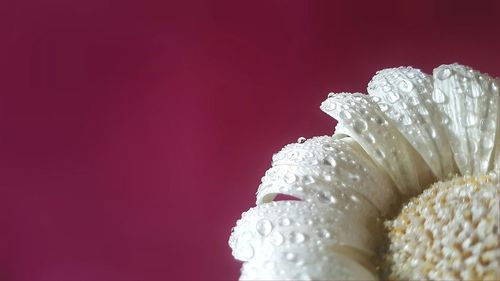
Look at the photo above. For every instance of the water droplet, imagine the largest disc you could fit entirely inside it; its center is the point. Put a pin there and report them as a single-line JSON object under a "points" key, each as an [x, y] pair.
{"points": [[244, 252], [330, 160], [405, 86], [444, 73], [406, 120], [277, 239], [264, 227], [278, 156], [290, 178], [322, 196], [445, 120], [378, 120], [423, 111], [291, 256], [324, 234], [285, 221], [380, 153], [386, 88], [359, 126], [383, 107], [297, 237], [307, 180], [327, 177], [328, 147], [293, 155], [488, 143], [433, 133], [438, 96], [494, 86], [355, 198], [353, 177], [344, 114], [330, 95], [471, 120], [370, 138], [475, 92], [301, 140], [414, 101], [392, 97]]}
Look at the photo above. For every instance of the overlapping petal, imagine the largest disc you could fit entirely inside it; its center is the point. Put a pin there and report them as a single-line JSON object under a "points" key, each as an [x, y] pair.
{"points": [[363, 120], [332, 171], [287, 238], [406, 97], [469, 110]]}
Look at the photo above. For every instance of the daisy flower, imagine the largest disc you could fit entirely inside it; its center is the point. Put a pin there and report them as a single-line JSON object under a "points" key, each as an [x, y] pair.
{"points": [[406, 188]]}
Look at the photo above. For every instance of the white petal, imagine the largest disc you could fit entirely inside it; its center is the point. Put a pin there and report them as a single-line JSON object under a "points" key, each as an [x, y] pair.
{"points": [[404, 95], [329, 170], [362, 119], [495, 159], [470, 113], [321, 265], [292, 233]]}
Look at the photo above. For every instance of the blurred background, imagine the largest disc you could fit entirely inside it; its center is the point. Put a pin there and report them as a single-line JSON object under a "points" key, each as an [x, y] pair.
{"points": [[134, 133]]}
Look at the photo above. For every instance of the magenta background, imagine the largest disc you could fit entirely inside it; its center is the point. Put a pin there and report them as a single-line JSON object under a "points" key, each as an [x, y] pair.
{"points": [[134, 133]]}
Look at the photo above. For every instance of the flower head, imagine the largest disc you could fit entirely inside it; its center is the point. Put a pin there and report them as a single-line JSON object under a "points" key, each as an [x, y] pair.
{"points": [[412, 131]]}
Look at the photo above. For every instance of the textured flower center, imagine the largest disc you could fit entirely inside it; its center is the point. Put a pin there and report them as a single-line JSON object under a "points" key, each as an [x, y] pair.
{"points": [[448, 232]]}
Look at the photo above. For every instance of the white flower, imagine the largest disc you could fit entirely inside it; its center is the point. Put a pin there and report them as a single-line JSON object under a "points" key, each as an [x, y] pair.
{"points": [[412, 131]]}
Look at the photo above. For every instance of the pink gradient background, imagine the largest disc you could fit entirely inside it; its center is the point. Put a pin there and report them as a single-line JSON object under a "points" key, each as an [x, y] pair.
{"points": [[134, 133]]}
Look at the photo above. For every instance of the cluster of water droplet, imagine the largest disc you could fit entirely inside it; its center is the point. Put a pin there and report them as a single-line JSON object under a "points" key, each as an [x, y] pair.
{"points": [[412, 130], [334, 171], [292, 233], [470, 110], [378, 137]]}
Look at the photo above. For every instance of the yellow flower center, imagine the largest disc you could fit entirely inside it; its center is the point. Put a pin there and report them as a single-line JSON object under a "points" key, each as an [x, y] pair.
{"points": [[450, 231]]}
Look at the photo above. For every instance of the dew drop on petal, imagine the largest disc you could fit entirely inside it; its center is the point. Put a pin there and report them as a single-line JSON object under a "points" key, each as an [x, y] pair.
{"points": [[444, 73], [264, 227], [285, 222], [344, 114], [290, 178], [488, 143], [433, 133], [475, 93], [330, 161], [301, 140], [324, 233], [327, 147], [438, 96], [307, 180], [384, 107], [392, 97], [494, 86], [380, 153], [297, 237], [369, 138], [277, 239], [445, 120], [405, 86], [244, 251], [322, 196], [290, 256], [471, 120], [359, 126]]}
